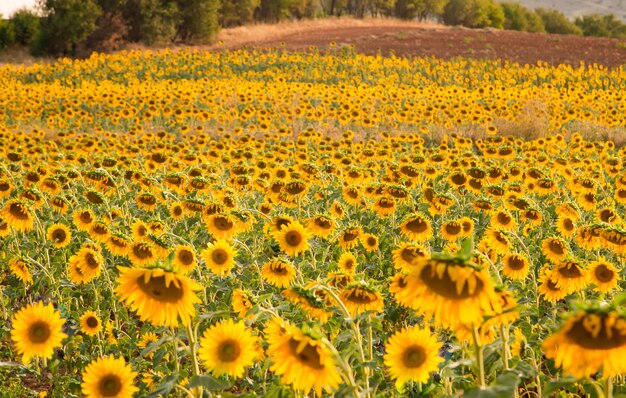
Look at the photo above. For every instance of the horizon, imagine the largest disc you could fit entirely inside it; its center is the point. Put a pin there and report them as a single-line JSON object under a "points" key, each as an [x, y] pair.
{"points": [[8, 7]]}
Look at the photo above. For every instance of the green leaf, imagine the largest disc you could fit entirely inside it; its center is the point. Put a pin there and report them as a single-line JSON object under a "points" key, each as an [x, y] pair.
{"points": [[558, 384], [208, 382], [166, 385]]}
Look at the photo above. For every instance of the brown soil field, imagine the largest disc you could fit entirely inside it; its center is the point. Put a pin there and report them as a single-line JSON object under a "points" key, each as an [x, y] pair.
{"points": [[373, 36]]}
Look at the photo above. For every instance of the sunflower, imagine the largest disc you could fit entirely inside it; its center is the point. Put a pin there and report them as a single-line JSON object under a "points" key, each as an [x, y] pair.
{"points": [[303, 361], [293, 239], [571, 276], [278, 273], [18, 215], [118, 245], [417, 228], [19, 268], [339, 279], [369, 242], [411, 355], [360, 298], [603, 274], [139, 231], [184, 259], [158, 296], [227, 348], [99, 231], [337, 210], [88, 262], [221, 225], [142, 253], [349, 237], [590, 341], [407, 255], [219, 256], [313, 305], [549, 290], [503, 219], [555, 249], [515, 266], [177, 211], [5, 230], [497, 240], [108, 377], [452, 293], [241, 302], [59, 234], [589, 237], [37, 331], [452, 230], [347, 263], [565, 225], [83, 218], [90, 323], [384, 206], [321, 226]]}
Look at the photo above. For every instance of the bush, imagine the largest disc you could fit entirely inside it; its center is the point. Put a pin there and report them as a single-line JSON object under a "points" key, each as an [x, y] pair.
{"points": [[518, 17], [7, 36], [420, 9], [25, 26], [152, 21], [601, 26], [554, 21], [474, 13], [198, 19], [66, 25]]}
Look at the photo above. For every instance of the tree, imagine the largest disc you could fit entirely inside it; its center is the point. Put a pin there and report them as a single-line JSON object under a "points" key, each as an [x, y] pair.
{"points": [[152, 21], [66, 24], [518, 17], [555, 21], [473, 13], [25, 26], [419, 9], [198, 19], [7, 36], [601, 26], [237, 12]]}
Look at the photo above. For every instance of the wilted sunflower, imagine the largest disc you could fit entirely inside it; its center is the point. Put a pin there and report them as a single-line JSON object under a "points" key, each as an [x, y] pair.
{"points": [[108, 377], [18, 215], [360, 298], [90, 323], [278, 273], [184, 259], [407, 255], [227, 348], [303, 361], [19, 268], [293, 239], [603, 274], [158, 296], [59, 234], [589, 342], [219, 256], [412, 354], [555, 249], [417, 228], [515, 266], [452, 293], [37, 331], [321, 226]]}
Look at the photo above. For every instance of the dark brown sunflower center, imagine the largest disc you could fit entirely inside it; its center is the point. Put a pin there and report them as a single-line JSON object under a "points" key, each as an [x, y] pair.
{"points": [[293, 238], [556, 247], [282, 222], [308, 355], [322, 223], [359, 296], [570, 271], [279, 269], [458, 179], [94, 198], [603, 273], [516, 263], [386, 203], [92, 322], [605, 339], [18, 211], [91, 261], [110, 386], [417, 226], [39, 332], [446, 287], [100, 229], [85, 217], [142, 251], [371, 241], [229, 351], [222, 223], [414, 357], [59, 235], [410, 254], [453, 228], [147, 200], [348, 264], [607, 215], [185, 257], [158, 290], [219, 256], [504, 218], [349, 236], [177, 211], [568, 224], [295, 189]]}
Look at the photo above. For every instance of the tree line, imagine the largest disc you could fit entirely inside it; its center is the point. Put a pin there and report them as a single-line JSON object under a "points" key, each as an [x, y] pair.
{"points": [[74, 27]]}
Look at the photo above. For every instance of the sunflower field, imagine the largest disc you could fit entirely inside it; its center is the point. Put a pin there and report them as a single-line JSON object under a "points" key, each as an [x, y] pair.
{"points": [[283, 224]]}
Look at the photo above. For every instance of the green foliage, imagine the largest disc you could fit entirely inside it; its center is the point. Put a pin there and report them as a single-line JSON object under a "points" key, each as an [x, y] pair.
{"points": [[237, 12], [518, 17], [198, 19], [67, 24], [25, 26], [555, 21], [474, 13], [152, 21], [7, 35], [420, 9], [601, 26]]}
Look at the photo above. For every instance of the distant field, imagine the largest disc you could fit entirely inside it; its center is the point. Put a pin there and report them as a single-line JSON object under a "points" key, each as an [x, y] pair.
{"points": [[576, 8]]}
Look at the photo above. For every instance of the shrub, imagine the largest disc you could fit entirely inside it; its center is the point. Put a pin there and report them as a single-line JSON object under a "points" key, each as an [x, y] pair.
{"points": [[518, 17], [601, 26], [554, 21], [7, 36], [25, 26]]}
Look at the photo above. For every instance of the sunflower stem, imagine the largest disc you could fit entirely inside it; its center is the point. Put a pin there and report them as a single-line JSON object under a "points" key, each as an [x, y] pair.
{"points": [[608, 393], [478, 350], [505, 346], [192, 349]]}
